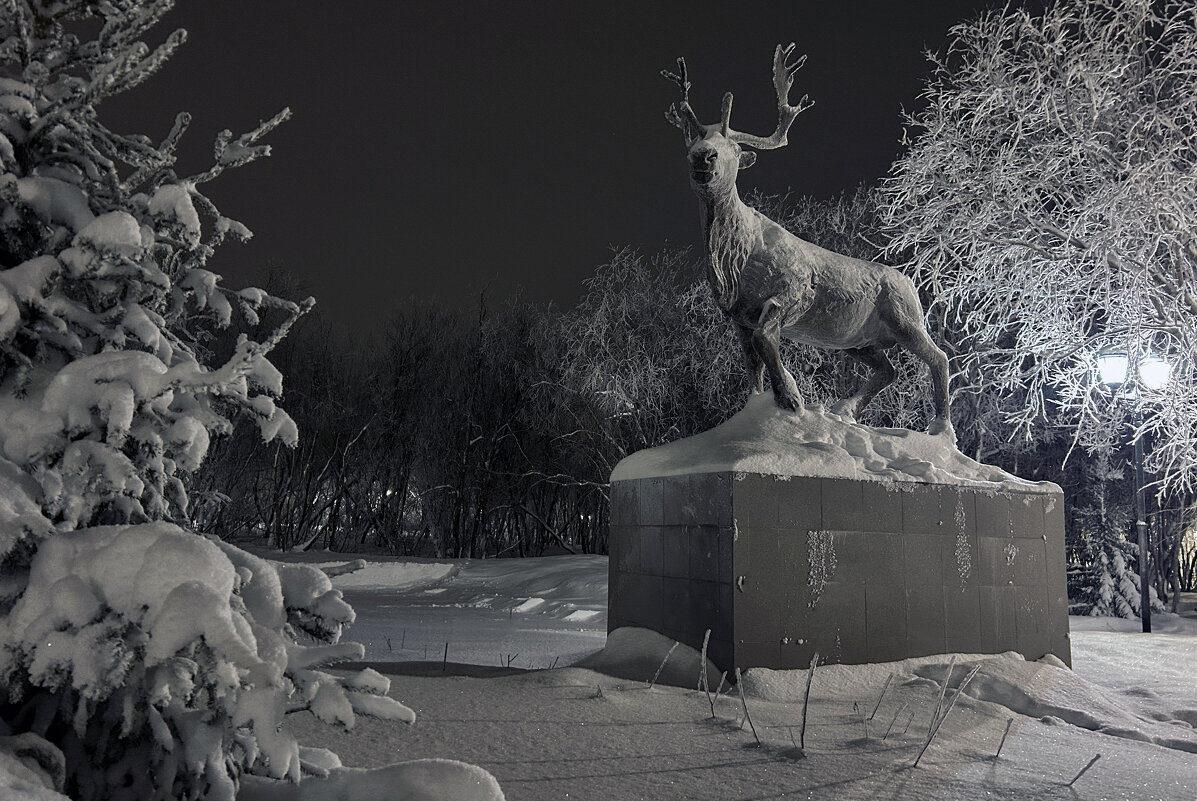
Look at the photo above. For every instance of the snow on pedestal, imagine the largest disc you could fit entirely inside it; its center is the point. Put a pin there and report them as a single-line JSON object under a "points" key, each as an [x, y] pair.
{"points": [[790, 533]]}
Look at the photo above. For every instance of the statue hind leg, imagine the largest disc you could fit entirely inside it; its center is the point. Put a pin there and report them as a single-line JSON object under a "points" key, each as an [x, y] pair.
{"points": [[881, 376], [904, 316], [920, 344]]}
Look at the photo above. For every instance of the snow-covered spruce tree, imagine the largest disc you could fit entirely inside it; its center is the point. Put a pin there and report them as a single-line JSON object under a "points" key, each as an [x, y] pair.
{"points": [[160, 662], [1106, 585], [1101, 579]]}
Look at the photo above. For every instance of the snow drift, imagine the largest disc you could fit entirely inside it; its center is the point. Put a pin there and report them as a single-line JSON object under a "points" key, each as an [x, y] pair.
{"points": [[762, 438]]}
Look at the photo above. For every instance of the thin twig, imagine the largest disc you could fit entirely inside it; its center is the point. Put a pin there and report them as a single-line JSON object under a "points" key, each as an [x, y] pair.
{"points": [[744, 701], [877, 706], [657, 675], [937, 723], [1009, 723], [718, 690], [895, 720], [1092, 762], [703, 683], [810, 675], [942, 691]]}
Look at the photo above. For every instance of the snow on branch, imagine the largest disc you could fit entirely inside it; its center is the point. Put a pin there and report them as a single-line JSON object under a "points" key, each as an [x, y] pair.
{"points": [[161, 662]]}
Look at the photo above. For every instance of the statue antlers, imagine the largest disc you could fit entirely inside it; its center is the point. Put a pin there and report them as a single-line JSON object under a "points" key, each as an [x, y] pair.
{"points": [[773, 284], [681, 115]]}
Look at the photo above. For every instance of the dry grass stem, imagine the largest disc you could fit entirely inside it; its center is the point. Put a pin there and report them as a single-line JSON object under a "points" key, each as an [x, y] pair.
{"points": [[877, 706], [810, 676], [703, 684], [718, 690], [744, 701], [895, 720], [1009, 723], [942, 692], [657, 675], [935, 724], [1084, 770]]}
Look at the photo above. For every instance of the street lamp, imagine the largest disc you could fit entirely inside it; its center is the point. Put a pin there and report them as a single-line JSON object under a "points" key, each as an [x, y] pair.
{"points": [[1112, 366]]}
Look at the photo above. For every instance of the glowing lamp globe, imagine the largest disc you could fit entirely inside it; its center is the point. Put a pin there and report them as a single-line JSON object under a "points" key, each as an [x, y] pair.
{"points": [[1112, 367], [1154, 372]]}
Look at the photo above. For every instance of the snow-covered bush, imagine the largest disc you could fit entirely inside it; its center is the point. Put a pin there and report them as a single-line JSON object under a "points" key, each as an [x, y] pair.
{"points": [[161, 663]]}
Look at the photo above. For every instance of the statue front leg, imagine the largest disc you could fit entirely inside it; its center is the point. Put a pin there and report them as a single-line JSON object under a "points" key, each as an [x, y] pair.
{"points": [[756, 367], [766, 340]]}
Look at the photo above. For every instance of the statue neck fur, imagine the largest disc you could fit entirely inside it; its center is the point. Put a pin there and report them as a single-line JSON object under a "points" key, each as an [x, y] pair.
{"points": [[731, 231]]}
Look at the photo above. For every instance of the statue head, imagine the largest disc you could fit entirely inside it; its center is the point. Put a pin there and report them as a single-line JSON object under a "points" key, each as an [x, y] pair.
{"points": [[715, 161], [715, 152]]}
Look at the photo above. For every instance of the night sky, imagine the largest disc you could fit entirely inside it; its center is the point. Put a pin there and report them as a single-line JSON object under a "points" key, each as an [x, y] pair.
{"points": [[439, 149]]}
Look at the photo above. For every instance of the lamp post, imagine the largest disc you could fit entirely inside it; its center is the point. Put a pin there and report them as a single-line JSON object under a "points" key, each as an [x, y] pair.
{"points": [[1112, 366]]}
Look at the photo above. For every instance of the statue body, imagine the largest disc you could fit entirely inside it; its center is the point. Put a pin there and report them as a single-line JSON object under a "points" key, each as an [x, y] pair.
{"points": [[774, 284]]}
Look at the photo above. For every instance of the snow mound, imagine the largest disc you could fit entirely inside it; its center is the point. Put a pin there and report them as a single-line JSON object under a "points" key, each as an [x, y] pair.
{"points": [[1041, 690], [418, 780], [850, 681], [391, 575], [529, 605], [762, 438], [31, 769], [633, 653]]}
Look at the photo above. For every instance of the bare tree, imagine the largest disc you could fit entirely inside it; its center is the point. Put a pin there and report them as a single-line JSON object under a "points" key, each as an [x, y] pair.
{"points": [[1048, 202]]}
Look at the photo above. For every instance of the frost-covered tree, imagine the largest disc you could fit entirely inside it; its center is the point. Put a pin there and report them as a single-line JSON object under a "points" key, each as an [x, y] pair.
{"points": [[1048, 203], [160, 662]]}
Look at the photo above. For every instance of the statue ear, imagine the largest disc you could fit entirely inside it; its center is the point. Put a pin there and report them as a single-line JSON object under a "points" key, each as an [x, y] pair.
{"points": [[747, 159]]}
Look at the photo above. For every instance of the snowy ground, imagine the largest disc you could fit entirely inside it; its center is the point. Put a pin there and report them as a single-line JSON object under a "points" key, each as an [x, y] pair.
{"points": [[532, 613], [525, 613], [576, 733]]}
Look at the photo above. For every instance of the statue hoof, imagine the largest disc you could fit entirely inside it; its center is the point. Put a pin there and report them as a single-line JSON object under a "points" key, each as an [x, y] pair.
{"points": [[845, 408], [791, 403], [942, 428]]}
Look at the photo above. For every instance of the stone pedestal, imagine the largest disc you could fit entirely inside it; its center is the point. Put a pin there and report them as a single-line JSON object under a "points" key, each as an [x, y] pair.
{"points": [[778, 567]]}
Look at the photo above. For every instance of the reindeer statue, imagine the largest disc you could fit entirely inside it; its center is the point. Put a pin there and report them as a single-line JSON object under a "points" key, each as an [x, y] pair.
{"points": [[773, 284]]}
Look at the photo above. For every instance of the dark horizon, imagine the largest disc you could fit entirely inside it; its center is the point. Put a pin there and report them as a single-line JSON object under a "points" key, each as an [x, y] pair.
{"points": [[440, 150]]}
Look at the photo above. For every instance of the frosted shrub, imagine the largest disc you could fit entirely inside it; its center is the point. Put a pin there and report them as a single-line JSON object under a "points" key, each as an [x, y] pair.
{"points": [[159, 662]]}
